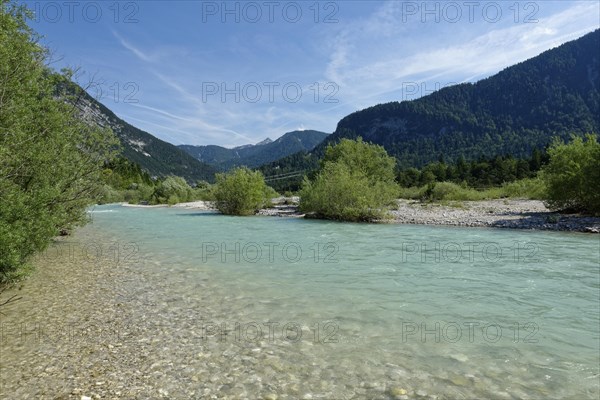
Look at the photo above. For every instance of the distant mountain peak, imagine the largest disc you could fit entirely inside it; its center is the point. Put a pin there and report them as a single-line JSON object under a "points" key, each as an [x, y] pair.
{"points": [[254, 155]]}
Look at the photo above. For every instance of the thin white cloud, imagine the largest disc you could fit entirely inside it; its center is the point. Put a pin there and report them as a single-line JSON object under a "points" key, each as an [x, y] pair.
{"points": [[180, 90], [191, 126], [137, 52], [380, 66], [165, 132], [162, 112]]}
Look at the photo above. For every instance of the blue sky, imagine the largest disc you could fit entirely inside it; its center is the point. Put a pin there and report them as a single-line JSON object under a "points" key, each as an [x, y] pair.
{"points": [[232, 73]]}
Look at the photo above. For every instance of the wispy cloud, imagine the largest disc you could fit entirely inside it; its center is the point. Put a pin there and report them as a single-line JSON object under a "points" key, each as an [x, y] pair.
{"points": [[383, 67], [137, 52], [173, 84], [191, 127], [373, 57]]}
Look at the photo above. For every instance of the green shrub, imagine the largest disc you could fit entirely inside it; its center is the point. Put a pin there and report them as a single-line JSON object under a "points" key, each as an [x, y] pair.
{"points": [[131, 196], [490, 194], [451, 191], [173, 199], [529, 188], [360, 157], [145, 192], [572, 176], [338, 194], [270, 193], [411, 193], [355, 183], [107, 195], [241, 192], [206, 193], [170, 189]]}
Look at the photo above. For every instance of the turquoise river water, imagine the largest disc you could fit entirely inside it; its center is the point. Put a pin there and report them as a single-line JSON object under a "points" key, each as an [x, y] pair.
{"points": [[294, 308]]}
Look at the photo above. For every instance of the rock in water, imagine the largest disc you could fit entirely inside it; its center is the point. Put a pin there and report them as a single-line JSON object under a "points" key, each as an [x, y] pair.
{"points": [[397, 392]]}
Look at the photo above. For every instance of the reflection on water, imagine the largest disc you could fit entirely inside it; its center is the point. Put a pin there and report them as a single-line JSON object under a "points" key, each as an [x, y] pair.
{"points": [[174, 304]]}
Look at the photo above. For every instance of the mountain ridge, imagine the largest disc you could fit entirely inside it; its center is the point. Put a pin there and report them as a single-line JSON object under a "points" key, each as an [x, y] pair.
{"points": [[522, 107], [511, 112], [255, 155], [158, 157]]}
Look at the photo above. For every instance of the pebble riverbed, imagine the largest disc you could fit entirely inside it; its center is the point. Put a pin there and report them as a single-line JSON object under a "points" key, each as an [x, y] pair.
{"points": [[86, 328], [512, 214]]}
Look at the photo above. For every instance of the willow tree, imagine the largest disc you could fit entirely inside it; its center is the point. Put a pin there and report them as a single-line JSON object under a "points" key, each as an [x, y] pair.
{"points": [[355, 183], [242, 192], [572, 175], [50, 160]]}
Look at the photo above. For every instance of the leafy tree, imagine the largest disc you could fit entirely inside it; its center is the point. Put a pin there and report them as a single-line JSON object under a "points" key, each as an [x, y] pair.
{"points": [[121, 173], [50, 161], [172, 190], [241, 192], [355, 183], [572, 176], [124, 180], [362, 158], [481, 173]]}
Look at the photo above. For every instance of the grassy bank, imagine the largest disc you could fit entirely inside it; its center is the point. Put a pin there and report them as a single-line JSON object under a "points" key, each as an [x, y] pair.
{"points": [[530, 188]]}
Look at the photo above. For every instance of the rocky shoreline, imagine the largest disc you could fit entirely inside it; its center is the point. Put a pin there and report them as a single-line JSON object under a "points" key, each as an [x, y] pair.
{"points": [[502, 213], [512, 214]]}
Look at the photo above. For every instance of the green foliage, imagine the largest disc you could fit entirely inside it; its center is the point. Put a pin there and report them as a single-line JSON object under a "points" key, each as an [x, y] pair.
{"points": [[125, 181], [362, 158], [529, 188], [205, 192], [573, 175], [242, 192], [121, 173], [288, 173], [479, 173], [355, 183], [338, 193], [137, 194], [172, 190], [498, 177], [107, 195], [412, 192], [270, 193], [50, 161], [450, 191]]}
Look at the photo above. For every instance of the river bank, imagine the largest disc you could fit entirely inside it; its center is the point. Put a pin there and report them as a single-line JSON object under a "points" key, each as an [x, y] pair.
{"points": [[501, 213], [513, 214]]}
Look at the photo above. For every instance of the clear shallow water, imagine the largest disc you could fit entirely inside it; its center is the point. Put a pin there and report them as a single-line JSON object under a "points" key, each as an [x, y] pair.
{"points": [[516, 310], [317, 309]]}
